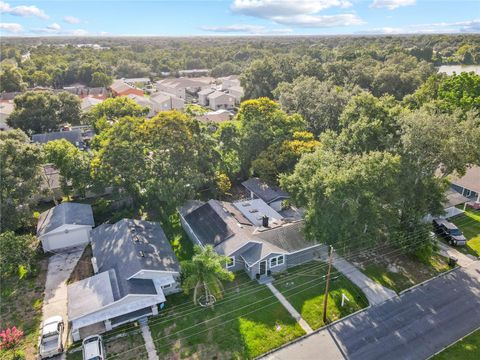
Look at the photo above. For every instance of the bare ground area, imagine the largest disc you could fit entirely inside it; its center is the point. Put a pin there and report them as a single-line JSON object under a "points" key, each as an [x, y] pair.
{"points": [[399, 271], [84, 268]]}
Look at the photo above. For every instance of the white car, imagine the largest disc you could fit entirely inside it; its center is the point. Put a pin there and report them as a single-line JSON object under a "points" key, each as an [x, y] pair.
{"points": [[51, 337], [92, 348]]}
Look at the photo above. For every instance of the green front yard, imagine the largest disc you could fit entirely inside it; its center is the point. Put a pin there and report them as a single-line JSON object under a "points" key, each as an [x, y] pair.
{"points": [[304, 288], [469, 223], [119, 347], [246, 323], [399, 271], [466, 349]]}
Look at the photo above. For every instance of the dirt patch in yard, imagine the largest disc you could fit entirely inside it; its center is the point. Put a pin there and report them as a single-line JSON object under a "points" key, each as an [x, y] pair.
{"points": [[21, 306], [84, 268], [130, 347], [399, 271]]}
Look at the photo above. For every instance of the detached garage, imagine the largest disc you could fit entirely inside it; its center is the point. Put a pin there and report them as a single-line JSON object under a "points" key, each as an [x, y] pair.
{"points": [[64, 226]]}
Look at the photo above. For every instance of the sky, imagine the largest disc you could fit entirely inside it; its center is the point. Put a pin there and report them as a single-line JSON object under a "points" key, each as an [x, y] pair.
{"points": [[236, 17]]}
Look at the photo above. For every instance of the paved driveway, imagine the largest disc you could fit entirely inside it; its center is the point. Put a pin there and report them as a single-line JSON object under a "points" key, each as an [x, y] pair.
{"points": [[60, 267]]}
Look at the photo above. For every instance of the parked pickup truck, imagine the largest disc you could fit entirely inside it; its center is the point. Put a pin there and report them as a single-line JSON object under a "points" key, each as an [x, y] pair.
{"points": [[450, 231], [51, 337]]}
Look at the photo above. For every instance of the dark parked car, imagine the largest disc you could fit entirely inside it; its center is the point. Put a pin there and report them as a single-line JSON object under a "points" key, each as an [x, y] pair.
{"points": [[449, 231]]}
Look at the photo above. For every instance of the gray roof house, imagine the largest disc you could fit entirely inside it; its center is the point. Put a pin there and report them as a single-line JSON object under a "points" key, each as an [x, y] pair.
{"points": [[73, 136], [469, 184], [256, 237], [64, 226], [135, 268], [272, 195]]}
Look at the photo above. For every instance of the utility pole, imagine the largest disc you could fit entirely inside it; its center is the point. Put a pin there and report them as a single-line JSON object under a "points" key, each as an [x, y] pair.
{"points": [[327, 285]]}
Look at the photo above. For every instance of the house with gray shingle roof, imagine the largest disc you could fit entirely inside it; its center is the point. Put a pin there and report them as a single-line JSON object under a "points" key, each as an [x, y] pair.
{"points": [[72, 136], [272, 195], [257, 238], [64, 226], [135, 269]]}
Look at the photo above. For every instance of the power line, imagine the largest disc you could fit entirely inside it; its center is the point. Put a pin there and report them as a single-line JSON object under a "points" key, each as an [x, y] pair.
{"points": [[186, 312], [196, 309], [263, 299], [223, 323]]}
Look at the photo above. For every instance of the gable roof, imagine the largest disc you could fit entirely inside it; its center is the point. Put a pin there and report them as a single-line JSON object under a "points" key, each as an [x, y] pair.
{"points": [[88, 102], [471, 179], [254, 210], [129, 246], [73, 136], [184, 82], [264, 191], [65, 213], [208, 226], [219, 94]]}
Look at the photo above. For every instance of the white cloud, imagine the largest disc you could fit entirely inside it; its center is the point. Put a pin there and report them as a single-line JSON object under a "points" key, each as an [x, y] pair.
{"points": [[319, 21], [270, 8], [54, 27], [301, 13], [11, 27], [391, 4], [22, 10], [72, 20], [471, 26]]}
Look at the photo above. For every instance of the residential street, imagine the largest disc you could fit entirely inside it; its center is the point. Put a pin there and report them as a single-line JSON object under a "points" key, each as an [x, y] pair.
{"points": [[415, 325]]}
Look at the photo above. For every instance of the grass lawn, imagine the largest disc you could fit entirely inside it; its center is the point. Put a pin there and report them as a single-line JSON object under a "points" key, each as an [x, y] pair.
{"points": [[21, 306], [469, 223], [400, 271], [246, 323], [307, 296], [466, 349]]}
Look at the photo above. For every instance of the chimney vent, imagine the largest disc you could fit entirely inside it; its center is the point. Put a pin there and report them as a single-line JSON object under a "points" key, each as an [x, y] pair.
{"points": [[265, 221]]}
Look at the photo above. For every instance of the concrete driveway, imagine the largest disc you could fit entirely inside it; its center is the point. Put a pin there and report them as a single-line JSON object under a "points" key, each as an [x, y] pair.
{"points": [[60, 267]]}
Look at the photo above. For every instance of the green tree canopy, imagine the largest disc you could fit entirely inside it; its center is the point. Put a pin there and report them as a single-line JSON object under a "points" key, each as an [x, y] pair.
{"points": [[100, 79], [281, 159], [11, 79], [17, 254], [112, 109], [42, 111], [319, 103], [263, 123], [72, 163], [163, 160], [449, 93], [348, 197], [21, 178]]}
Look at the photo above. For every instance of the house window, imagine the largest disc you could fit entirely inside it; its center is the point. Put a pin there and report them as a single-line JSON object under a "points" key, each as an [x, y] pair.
{"points": [[231, 262], [277, 260]]}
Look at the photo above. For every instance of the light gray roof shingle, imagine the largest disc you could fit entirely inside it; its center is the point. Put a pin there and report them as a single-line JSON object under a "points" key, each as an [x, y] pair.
{"points": [[73, 136], [65, 213], [264, 191], [129, 246]]}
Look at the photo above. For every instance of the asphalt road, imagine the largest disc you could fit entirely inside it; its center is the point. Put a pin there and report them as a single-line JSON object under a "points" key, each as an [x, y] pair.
{"points": [[413, 326]]}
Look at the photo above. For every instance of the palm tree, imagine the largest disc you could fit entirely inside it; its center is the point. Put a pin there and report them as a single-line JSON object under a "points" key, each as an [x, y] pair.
{"points": [[205, 270]]}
